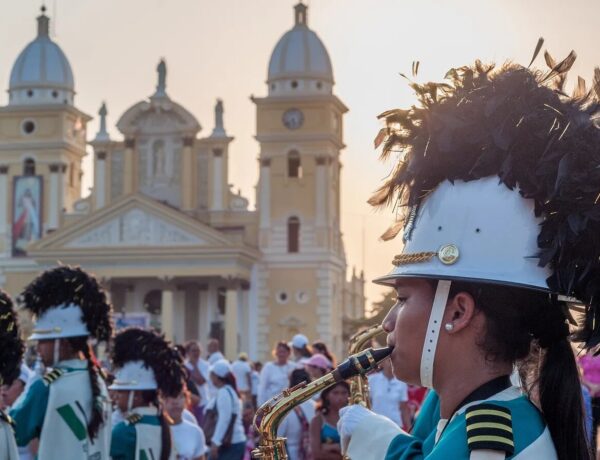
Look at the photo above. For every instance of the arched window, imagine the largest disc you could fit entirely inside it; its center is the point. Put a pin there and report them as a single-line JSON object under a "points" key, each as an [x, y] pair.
{"points": [[29, 167], [294, 165], [293, 229]]}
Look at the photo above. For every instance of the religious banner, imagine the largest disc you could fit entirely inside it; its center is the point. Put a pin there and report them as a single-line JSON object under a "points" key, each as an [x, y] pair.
{"points": [[27, 213]]}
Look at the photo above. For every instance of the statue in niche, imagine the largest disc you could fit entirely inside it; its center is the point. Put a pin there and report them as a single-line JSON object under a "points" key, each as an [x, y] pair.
{"points": [[158, 159]]}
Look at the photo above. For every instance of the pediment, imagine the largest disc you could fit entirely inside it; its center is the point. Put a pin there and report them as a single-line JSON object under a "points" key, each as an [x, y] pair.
{"points": [[160, 115], [134, 222]]}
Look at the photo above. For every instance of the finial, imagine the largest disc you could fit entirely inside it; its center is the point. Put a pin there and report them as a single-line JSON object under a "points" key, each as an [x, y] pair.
{"points": [[300, 15], [219, 125], [102, 133], [43, 23], [161, 69]]}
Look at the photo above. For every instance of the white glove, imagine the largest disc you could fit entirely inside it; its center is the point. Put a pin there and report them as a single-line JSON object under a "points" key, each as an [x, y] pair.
{"points": [[350, 418]]}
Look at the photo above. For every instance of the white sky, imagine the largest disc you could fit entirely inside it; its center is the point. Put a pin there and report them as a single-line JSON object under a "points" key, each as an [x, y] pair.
{"points": [[221, 48]]}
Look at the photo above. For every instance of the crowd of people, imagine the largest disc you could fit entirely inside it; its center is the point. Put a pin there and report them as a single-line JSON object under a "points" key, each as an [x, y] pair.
{"points": [[150, 396]]}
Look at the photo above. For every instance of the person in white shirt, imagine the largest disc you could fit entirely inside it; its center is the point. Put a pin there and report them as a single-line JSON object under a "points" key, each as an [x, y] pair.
{"points": [[229, 407], [243, 375], [389, 396], [274, 377], [255, 379], [198, 369], [214, 351], [188, 438], [295, 427]]}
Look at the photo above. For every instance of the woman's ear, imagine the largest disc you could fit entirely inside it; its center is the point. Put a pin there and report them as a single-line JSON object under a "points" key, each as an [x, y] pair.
{"points": [[460, 311]]}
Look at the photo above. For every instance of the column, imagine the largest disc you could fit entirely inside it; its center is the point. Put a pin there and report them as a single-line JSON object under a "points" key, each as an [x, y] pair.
{"points": [[231, 322], [187, 175], [217, 192], [203, 316], [4, 205], [264, 199], [179, 314], [167, 312], [321, 191], [100, 180], [130, 300], [129, 167], [244, 318], [55, 198]]}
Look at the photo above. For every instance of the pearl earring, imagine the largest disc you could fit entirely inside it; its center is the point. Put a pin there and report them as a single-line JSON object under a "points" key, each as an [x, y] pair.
{"points": [[448, 326]]}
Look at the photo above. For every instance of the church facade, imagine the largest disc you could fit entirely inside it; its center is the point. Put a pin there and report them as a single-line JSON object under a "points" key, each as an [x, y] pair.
{"points": [[174, 245]]}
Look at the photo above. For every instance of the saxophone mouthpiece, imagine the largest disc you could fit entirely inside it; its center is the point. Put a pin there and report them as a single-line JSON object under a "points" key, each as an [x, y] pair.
{"points": [[361, 363]]}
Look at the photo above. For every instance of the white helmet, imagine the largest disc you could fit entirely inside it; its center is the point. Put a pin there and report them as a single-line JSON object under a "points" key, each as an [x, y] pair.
{"points": [[477, 231], [134, 375]]}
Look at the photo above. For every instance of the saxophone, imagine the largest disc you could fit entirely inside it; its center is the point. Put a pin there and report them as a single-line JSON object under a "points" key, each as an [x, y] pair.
{"points": [[359, 385], [270, 414]]}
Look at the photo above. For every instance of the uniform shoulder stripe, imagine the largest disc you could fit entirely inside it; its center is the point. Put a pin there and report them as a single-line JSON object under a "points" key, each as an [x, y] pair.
{"points": [[6, 418], [489, 426], [133, 418], [53, 376]]}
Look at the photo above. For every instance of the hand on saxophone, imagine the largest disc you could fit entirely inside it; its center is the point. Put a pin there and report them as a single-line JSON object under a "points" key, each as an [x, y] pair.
{"points": [[371, 433]]}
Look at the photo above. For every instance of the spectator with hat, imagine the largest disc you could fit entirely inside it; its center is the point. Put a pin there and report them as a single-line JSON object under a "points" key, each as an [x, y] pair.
{"points": [[300, 348], [227, 437]]}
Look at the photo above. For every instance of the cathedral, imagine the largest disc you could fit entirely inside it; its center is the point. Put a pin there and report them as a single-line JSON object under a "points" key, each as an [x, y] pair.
{"points": [[176, 248]]}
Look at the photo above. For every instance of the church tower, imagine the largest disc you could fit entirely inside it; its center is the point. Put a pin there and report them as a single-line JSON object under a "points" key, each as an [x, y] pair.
{"points": [[42, 144], [299, 128]]}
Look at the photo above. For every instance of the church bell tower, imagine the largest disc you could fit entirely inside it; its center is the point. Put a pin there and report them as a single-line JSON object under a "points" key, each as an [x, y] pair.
{"points": [[299, 128]]}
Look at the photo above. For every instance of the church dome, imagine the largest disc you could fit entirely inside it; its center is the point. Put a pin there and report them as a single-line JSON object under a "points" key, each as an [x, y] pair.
{"points": [[300, 62], [42, 73]]}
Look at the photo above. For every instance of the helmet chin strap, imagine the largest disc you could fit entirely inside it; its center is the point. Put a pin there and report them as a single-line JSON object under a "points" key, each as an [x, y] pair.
{"points": [[130, 400], [433, 332], [56, 352]]}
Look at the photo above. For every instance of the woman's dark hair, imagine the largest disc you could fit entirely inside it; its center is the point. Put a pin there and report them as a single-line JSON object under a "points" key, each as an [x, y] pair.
{"points": [[81, 344], [321, 347], [150, 397], [229, 379], [323, 403], [298, 376], [305, 351], [521, 321]]}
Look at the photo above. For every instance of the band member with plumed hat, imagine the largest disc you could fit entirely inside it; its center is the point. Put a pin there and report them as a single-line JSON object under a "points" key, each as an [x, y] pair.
{"points": [[11, 353], [68, 409], [147, 367], [499, 178]]}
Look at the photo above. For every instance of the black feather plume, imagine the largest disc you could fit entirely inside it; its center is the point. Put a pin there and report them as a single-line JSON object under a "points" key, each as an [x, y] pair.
{"points": [[515, 123], [135, 344], [65, 285], [11, 345]]}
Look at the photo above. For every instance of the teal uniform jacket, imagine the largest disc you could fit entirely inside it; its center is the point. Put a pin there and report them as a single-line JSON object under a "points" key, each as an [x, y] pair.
{"points": [[123, 442], [527, 427], [428, 416], [29, 412]]}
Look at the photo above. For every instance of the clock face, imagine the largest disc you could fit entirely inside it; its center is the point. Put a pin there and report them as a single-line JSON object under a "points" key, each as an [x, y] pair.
{"points": [[293, 118]]}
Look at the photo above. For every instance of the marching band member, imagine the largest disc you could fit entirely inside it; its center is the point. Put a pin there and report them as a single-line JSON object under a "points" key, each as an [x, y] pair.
{"points": [[68, 409], [146, 366], [499, 176], [11, 353]]}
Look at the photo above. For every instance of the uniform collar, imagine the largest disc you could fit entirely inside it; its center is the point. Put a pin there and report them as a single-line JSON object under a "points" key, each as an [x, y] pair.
{"points": [[72, 364], [145, 410]]}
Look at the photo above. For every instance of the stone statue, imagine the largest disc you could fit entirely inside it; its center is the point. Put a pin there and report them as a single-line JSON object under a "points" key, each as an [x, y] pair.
{"points": [[103, 112], [162, 77], [219, 116], [219, 130]]}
